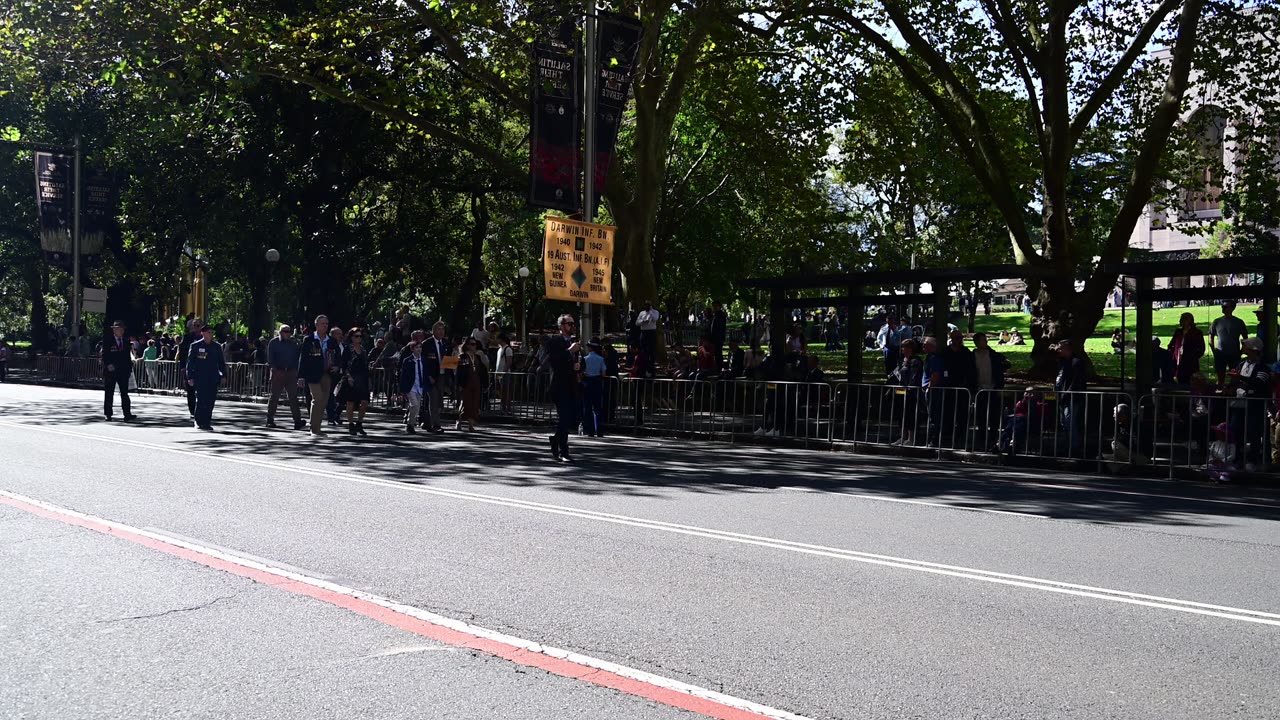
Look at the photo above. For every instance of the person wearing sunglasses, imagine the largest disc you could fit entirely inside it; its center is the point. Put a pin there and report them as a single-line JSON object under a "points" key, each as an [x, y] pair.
{"points": [[562, 356], [354, 391], [282, 357], [469, 379]]}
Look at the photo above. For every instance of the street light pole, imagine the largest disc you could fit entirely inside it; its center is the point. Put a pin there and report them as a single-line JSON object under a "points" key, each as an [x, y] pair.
{"points": [[75, 245], [524, 276], [590, 76]]}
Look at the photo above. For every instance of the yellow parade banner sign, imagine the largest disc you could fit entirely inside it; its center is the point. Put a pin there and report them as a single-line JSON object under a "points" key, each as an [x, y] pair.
{"points": [[578, 261]]}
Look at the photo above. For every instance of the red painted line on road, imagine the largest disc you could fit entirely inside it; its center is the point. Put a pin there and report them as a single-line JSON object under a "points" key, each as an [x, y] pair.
{"points": [[418, 626]]}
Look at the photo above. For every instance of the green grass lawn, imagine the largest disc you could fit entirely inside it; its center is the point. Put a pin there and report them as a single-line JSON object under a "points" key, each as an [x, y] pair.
{"points": [[1106, 363]]}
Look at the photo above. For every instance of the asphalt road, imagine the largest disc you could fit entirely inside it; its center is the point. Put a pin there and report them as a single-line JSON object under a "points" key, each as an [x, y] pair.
{"points": [[824, 585]]}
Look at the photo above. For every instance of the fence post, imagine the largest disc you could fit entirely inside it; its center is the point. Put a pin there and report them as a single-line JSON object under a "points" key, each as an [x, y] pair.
{"points": [[1142, 346]]}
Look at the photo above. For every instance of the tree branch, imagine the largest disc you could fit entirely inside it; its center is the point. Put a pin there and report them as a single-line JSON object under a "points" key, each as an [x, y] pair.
{"points": [[1163, 118], [488, 154], [454, 51], [1111, 83]]}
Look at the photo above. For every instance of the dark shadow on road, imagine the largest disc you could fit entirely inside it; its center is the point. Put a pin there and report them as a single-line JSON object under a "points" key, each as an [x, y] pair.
{"points": [[652, 467]]}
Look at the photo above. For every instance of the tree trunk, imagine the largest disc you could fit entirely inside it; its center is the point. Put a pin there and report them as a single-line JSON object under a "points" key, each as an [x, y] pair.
{"points": [[475, 267], [36, 274], [259, 316]]}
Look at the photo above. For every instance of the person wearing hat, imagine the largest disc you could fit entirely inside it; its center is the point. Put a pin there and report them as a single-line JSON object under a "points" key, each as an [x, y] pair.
{"points": [[206, 367], [562, 352], [593, 380], [1250, 384], [117, 368], [1225, 333]]}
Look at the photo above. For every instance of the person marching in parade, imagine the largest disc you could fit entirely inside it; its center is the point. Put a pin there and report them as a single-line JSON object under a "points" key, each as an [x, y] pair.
{"points": [[205, 370], [117, 368], [562, 355]]}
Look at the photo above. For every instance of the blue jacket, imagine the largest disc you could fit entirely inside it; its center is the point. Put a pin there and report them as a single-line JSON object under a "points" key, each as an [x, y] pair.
{"points": [[407, 371], [205, 363]]}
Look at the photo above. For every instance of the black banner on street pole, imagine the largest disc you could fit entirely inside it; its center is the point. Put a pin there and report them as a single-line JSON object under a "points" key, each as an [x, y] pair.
{"points": [[618, 41], [555, 159], [53, 207], [98, 217]]}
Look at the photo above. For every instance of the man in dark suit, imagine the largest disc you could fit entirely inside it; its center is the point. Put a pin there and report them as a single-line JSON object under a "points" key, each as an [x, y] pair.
{"points": [[189, 338], [117, 368], [562, 356], [437, 348], [205, 369], [414, 383]]}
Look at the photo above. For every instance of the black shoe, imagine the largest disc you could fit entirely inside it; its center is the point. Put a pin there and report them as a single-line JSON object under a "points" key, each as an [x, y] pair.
{"points": [[130, 418], [425, 426], [351, 430], [332, 421], [360, 429], [408, 427], [107, 418], [437, 431], [271, 424], [555, 448], [299, 425], [566, 458]]}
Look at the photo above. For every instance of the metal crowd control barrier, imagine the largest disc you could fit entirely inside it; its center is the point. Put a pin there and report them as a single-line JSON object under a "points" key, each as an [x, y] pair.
{"points": [[893, 415], [1208, 433], [1071, 424]]}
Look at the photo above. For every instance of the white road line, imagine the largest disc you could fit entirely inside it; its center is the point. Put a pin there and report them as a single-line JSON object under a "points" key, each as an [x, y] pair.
{"points": [[460, 626], [1021, 581], [905, 501]]}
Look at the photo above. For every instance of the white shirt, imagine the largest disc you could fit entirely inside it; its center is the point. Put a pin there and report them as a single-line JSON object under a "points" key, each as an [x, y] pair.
{"points": [[481, 336], [417, 377], [648, 319], [982, 361], [504, 358]]}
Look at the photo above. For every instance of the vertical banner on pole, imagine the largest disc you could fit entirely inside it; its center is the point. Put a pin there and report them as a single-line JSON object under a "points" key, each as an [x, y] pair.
{"points": [[617, 43], [99, 211], [555, 163], [53, 207]]}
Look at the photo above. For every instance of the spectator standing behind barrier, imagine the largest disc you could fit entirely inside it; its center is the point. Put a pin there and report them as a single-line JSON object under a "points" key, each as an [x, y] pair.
{"points": [[206, 366], [1226, 332], [719, 331], [593, 381], [282, 359], [561, 351], [149, 358], [117, 368], [1187, 347], [889, 341], [1070, 380], [1250, 384], [909, 377], [414, 383], [989, 367], [314, 365], [648, 320], [1162, 372], [180, 356], [958, 380], [504, 365], [354, 388], [931, 381]]}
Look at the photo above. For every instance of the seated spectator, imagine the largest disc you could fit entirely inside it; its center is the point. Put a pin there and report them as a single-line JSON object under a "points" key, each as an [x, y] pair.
{"points": [[907, 377], [1117, 342], [708, 363], [1028, 416], [1004, 338], [1123, 449], [679, 362], [737, 360], [1016, 339]]}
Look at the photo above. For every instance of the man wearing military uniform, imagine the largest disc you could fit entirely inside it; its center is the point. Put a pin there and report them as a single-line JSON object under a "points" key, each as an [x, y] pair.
{"points": [[205, 370], [117, 368]]}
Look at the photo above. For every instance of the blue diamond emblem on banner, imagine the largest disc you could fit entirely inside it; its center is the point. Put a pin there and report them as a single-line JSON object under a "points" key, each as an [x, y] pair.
{"points": [[579, 276]]}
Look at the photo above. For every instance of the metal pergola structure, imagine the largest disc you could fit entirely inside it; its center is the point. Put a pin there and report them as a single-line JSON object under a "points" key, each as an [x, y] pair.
{"points": [[856, 297], [1146, 296], [855, 286]]}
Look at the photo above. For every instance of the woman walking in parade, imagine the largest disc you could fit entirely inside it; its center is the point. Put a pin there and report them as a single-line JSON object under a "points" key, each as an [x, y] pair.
{"points": [[354, 390], [471, 368]]}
